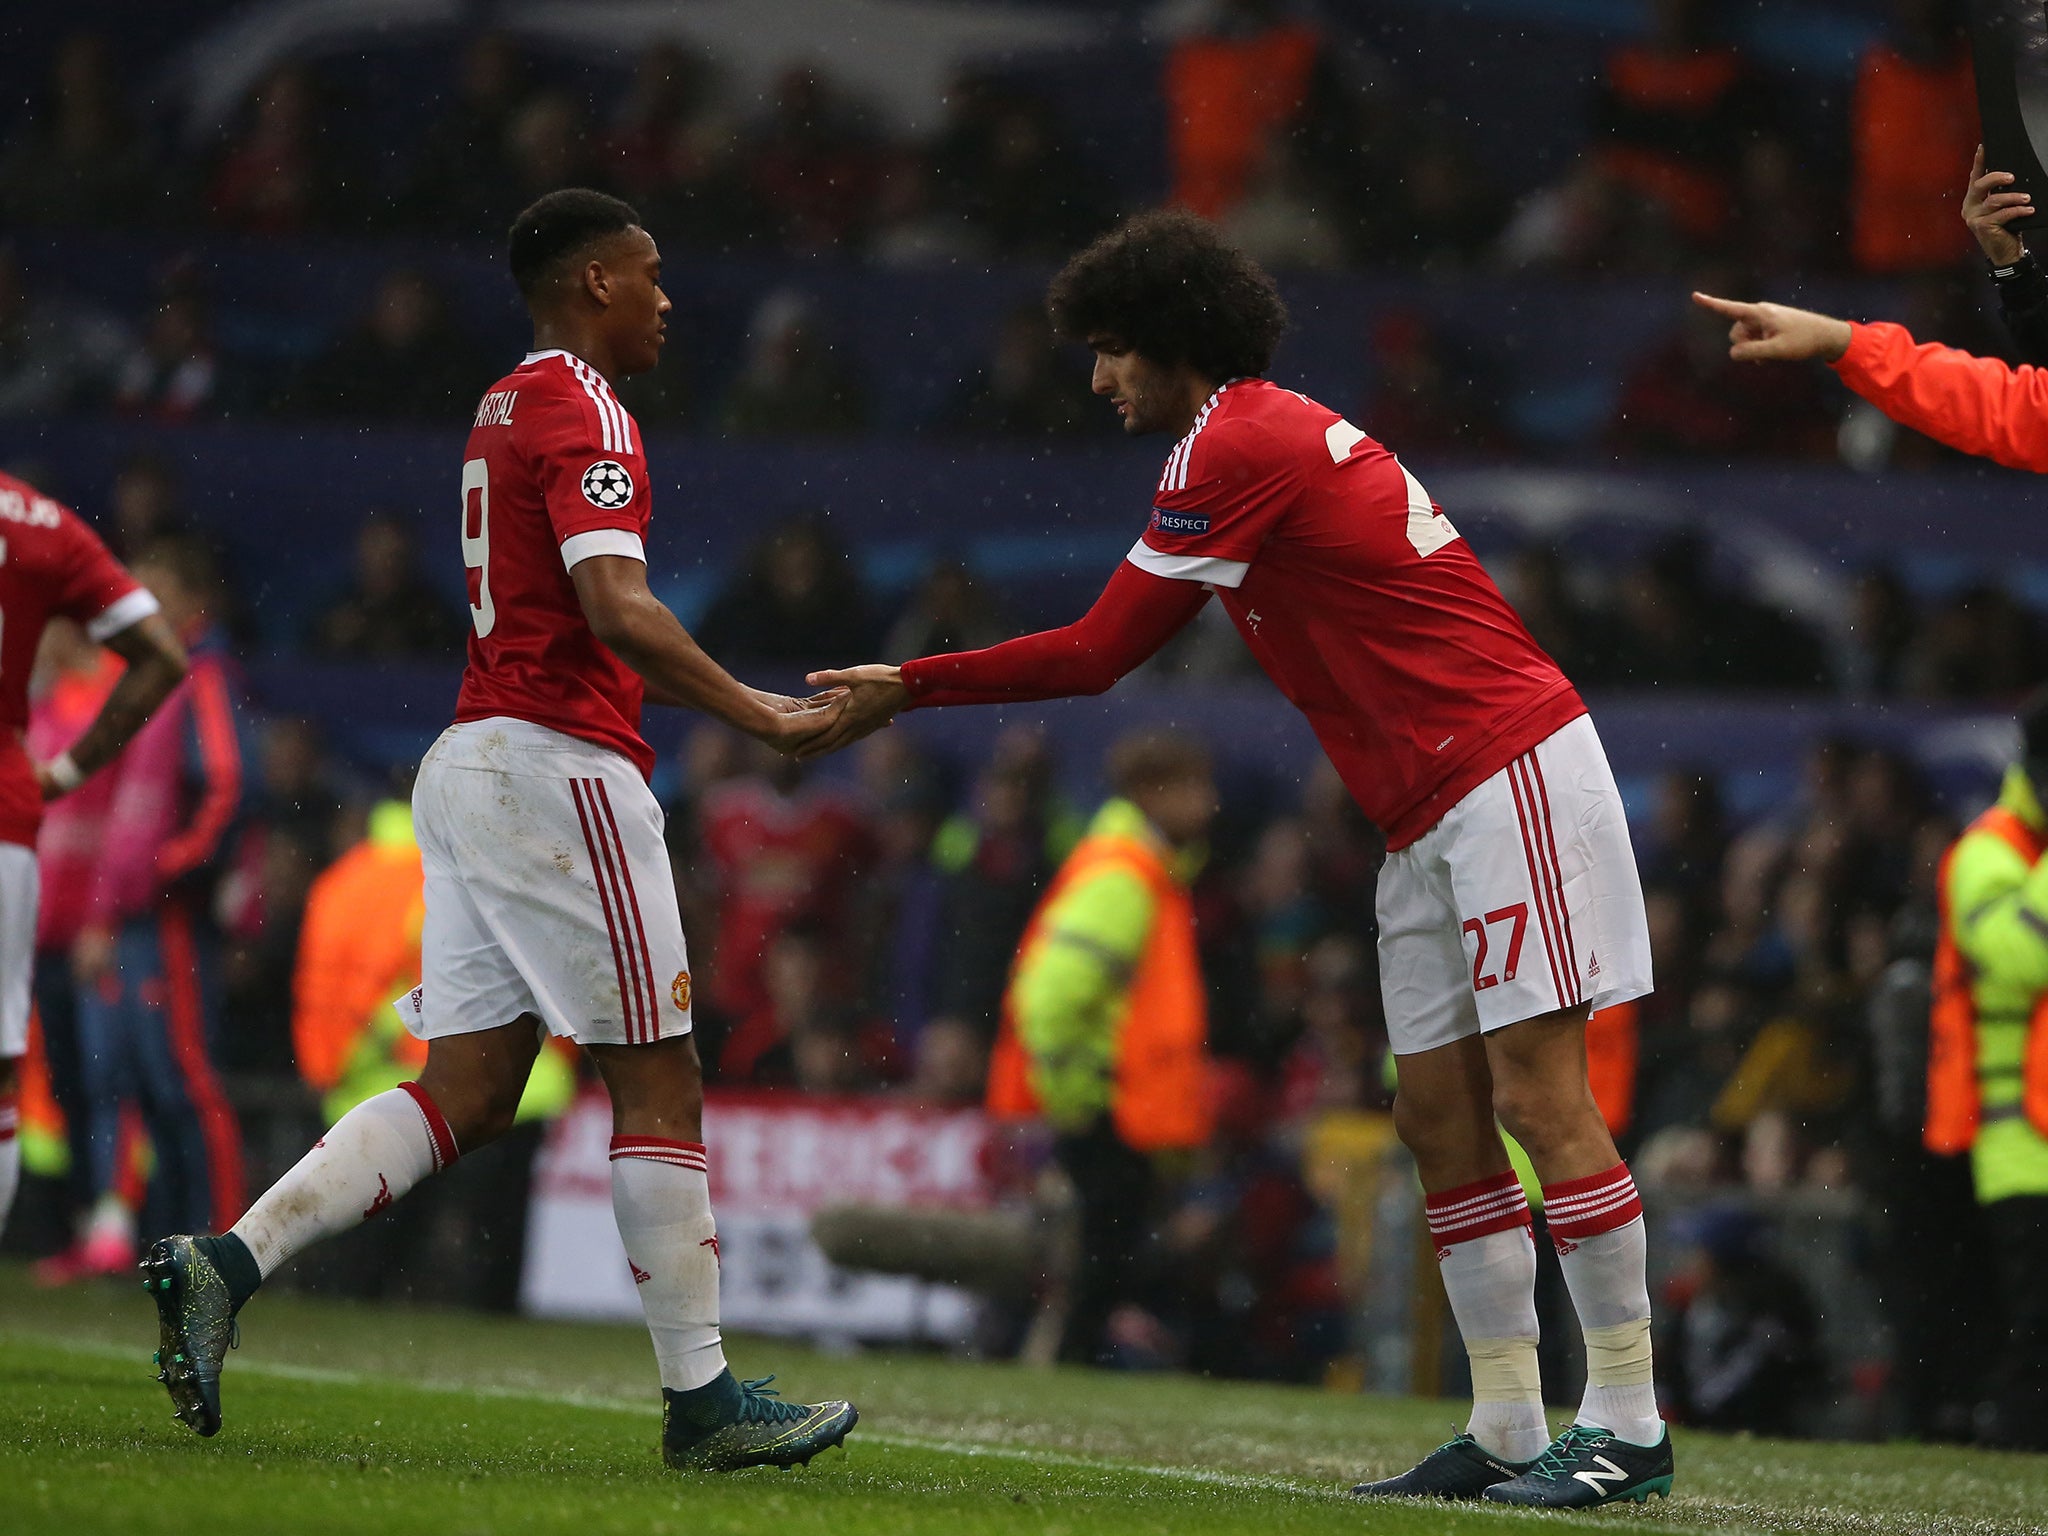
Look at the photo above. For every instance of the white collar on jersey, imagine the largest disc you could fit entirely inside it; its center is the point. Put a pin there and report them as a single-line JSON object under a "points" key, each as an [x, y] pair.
{"points": [[541, 357]]}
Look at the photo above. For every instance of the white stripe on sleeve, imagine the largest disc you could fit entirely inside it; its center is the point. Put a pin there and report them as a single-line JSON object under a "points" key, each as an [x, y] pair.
{"points": [[579, 547], [1203, 568], [122, 613]]}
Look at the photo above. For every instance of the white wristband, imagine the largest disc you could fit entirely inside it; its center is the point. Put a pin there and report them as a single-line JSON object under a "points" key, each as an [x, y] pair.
{"points": [[64, 772]]}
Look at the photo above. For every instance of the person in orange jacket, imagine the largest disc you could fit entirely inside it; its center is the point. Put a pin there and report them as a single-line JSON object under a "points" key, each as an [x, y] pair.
{"points": [[1977, 405], [1104, 1029]]}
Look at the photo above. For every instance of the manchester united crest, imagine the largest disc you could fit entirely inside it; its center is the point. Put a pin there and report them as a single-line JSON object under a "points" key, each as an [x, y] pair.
{"points": [[680, 990]]}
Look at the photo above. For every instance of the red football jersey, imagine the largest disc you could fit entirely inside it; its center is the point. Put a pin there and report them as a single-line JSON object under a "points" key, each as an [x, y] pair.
{"points": [[1359, 599], [51, 565], [779, 859], [553, 474]]}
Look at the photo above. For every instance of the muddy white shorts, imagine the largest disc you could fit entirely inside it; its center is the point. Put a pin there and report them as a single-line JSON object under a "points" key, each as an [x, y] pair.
{"points": [[20, 884], [1523, 900], [548, 890]]}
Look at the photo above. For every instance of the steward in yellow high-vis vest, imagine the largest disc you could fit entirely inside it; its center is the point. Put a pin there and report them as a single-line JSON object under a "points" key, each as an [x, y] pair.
{"points": [[1104, 1032], [1987, 1067]]}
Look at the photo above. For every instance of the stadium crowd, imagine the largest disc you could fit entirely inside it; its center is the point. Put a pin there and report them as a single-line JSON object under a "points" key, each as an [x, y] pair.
{"points": [[856, 929], [1311, 150]]}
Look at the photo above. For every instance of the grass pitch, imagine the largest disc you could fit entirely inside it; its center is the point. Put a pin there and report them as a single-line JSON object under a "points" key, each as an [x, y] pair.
{"points": [[378, 1419]]}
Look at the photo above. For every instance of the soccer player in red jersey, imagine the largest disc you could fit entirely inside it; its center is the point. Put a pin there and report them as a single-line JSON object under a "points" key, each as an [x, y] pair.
{"points": [[52, 565], [1508, 907], [550, 902]]}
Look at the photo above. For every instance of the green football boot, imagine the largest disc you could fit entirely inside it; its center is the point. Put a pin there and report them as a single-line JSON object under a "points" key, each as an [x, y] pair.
{"points": [[195, 1328], [1586, 1467], [732, 1424]]}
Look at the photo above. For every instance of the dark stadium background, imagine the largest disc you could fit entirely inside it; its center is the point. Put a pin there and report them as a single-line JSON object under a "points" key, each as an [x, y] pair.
{"points": [[1801, 630]]}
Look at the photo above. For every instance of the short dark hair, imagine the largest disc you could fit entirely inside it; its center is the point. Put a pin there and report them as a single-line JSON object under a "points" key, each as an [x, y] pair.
{"points": [[559, 226], [1165, 285], [1151, 758]]}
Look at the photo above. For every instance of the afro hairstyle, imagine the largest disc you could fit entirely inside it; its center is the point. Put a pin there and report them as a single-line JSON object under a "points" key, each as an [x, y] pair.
{"points": [[1166, 286]]}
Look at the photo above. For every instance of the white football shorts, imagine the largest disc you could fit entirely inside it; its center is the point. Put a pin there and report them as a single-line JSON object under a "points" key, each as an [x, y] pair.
{"points": [[1523, 900], [20, 888], [548, 890]]}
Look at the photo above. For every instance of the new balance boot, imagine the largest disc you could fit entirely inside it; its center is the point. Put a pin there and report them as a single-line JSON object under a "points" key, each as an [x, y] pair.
{"points": [[1458, 1469], [1586, 1467]]}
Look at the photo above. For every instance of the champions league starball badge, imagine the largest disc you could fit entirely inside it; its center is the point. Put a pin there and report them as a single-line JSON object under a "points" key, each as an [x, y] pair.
{"points": [[606, 484], [2009, 41]]}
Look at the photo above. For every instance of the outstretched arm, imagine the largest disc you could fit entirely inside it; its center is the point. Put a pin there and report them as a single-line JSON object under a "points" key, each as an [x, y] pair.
{"points": [[1136, 614], [638, 628], [1978, 405]]}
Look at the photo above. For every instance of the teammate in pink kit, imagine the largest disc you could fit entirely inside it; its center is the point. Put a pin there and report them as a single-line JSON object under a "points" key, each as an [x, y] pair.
{"points": [[550, 902], [52, 565], [1508, 907]]}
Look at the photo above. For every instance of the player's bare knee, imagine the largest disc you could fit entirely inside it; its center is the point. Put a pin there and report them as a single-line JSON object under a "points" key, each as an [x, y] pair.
{"points": [[10, 1075], [656, 1090], [1547, 1120]]}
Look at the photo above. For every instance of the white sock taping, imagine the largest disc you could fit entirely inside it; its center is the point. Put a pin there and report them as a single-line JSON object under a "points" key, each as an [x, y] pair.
{"points": [[1491, 1282], [1606, 1274], [10, 1157], [661, 1195], [371, 1156]]}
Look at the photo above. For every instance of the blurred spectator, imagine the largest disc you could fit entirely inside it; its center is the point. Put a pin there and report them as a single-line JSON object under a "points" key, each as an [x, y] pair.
{"points": [[1673, 116], [670, 93], [280, 172], [1685, 843], [1575, 633], [1031, 387], [1686, 399], [898, 921], [1247, 1255], [77, 159], [546, 144], [951, 1065], [1002, 167], [456, 168], [53, 356], [148, 953], [676, 157], [1913, 129], [799, 601], [805, 1032], [1233, 87], [1742, 1347], [1429, 391], [73, 679], [296, 790], [794, 380], [913, 228], [404, 359], [1881, 627], [783, 850], [1105, 1021], [175, 373], [391, 611], [1282, 221], [1977, 644], [996, 857], [145, 504], [1682, 626], [950, 611], [812, 165], [1338, 1059]]}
